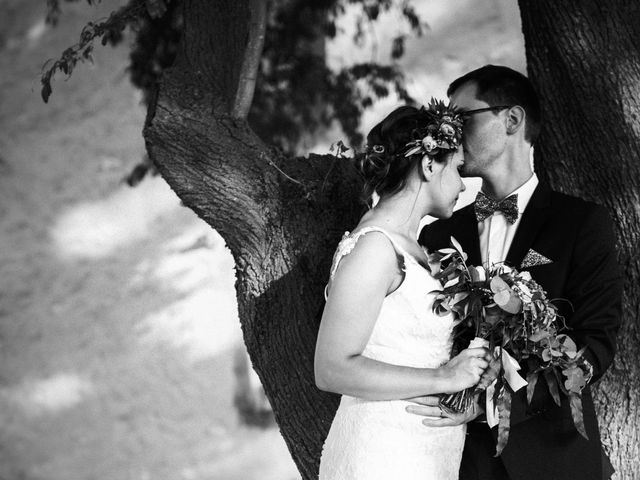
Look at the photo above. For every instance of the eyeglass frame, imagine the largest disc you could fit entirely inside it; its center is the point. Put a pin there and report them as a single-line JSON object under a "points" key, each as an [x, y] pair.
{"points": [[466, 113]]}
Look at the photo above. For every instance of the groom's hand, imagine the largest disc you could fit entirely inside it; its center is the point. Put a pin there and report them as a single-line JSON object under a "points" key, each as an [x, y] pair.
{"points": [[427, 407]]}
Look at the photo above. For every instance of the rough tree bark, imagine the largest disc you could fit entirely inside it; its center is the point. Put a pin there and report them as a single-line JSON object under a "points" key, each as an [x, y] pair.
{"points": [[584, 59], [281, 218]]}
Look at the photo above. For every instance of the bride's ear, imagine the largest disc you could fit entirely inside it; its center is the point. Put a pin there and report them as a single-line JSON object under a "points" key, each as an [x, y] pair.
{"points": [[426, 168]]}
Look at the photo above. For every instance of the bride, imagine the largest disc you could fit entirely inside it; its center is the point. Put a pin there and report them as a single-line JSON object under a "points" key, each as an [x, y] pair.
{"points": [[379, 342]]}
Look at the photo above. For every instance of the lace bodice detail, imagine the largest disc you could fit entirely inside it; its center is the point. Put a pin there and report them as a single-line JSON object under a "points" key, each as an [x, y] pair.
{"points": [[371, 440], [407, 332]]}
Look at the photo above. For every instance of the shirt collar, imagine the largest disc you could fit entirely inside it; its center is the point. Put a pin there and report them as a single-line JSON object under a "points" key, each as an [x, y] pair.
{"points": [[525, 192]]}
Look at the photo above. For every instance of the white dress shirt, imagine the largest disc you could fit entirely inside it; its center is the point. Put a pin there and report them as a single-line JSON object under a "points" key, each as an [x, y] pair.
{"points": [[496, 234]]}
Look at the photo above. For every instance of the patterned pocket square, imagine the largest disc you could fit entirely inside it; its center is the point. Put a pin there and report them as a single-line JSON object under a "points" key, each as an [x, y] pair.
{"points": [[533, 259]]}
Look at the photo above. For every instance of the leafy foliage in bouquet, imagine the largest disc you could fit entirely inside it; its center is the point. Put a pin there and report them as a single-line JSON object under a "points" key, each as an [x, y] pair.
{"points": [[511, 311]]}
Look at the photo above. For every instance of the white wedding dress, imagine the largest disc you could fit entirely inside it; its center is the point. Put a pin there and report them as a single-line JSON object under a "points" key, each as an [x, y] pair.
{"points": [[371, 440]]}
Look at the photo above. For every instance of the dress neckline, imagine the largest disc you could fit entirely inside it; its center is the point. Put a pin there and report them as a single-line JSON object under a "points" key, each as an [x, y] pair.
{"points": [[374, 228], [348, 242]]}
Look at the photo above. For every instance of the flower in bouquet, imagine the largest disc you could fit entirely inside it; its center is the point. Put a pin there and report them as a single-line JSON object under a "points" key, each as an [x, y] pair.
{"points": [[509, 312]]}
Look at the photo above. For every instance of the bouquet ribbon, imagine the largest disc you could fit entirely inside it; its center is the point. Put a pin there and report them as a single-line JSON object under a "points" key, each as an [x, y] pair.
{"points": [[511, 375]]}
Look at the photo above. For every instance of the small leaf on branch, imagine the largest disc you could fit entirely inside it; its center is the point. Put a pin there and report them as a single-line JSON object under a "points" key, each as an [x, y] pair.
{"points": [[53, 12], [46, 88], [339, 149], [82, 51], [397, 47], [86, 54], [414, 20]]}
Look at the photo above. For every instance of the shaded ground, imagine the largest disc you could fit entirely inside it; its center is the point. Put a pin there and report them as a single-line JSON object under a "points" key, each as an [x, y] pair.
{"points": [[118, 322], [118, 325]]}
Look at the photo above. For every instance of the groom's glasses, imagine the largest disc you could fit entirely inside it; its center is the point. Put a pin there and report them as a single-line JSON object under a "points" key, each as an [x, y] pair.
{"points": [[467, 113]]}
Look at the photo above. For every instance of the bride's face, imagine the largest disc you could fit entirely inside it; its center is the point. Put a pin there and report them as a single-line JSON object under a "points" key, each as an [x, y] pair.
{"points": [[446, 185]]}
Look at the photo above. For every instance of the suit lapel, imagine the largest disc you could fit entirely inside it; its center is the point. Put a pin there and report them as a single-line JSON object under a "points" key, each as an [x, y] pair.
{"points": [[465, 230], [532, 219]]}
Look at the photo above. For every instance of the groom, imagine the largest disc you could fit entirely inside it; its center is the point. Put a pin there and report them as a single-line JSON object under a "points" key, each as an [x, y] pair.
{"points": [[567, 245]]}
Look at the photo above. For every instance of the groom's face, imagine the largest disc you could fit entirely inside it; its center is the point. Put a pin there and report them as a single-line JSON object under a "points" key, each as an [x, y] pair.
{"points": [[484, 137]]}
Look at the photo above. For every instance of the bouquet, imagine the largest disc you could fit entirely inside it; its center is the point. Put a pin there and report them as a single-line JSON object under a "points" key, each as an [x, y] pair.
{"points": [[509, 312]]}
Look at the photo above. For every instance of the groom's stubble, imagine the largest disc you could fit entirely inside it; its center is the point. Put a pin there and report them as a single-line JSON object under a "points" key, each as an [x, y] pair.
{"points": [[483, 137]]}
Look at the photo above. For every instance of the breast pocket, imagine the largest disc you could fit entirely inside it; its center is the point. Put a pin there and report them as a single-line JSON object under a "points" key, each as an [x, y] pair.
{"points": [[552, 277]]}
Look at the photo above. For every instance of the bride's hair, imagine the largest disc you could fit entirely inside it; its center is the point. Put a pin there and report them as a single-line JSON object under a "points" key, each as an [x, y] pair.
{"points": [[385, 165]]}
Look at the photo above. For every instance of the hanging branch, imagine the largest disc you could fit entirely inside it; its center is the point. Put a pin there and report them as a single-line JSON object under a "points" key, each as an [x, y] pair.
{"points": [[251, 62], [110, 31]]}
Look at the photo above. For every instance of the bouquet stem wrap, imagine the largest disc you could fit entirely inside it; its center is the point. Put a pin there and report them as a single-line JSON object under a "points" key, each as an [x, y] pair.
{"points": [[513, 378], [460, 401]]}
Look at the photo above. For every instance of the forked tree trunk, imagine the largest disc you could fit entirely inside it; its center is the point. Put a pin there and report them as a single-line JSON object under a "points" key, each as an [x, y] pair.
{"points": [[281, 218], [584, 59]]}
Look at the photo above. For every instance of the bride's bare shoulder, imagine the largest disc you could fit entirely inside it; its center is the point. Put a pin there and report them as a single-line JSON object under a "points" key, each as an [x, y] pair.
{"points": [[365, 251]]}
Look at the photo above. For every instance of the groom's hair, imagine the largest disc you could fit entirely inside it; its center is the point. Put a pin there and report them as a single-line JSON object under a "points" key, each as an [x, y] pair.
{"points": [[498, 85]]}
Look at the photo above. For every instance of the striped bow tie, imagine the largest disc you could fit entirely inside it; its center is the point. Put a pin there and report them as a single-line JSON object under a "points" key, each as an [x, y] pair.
{"points": [[486, 206]]}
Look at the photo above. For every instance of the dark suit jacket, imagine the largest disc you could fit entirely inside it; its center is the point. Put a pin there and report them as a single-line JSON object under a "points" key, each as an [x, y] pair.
{"points": [[578, 237]]}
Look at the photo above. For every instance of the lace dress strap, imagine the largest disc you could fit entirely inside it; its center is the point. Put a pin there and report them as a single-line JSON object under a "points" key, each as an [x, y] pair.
{"points": [[349, 241]]}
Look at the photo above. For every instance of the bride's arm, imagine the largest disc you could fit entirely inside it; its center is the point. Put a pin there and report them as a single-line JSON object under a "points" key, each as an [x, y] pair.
{"points": [[364, 278]]}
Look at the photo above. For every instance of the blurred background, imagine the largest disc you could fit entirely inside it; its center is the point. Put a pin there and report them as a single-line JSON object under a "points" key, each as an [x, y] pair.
{"points": [[121, 355]]}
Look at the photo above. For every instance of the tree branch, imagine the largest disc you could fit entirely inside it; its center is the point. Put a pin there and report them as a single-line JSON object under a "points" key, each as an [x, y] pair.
{"points": [[251, 62], [109, 30]]}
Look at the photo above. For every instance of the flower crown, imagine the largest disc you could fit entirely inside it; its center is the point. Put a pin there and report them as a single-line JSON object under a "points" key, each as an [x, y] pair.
{"points": [[442, 132]]}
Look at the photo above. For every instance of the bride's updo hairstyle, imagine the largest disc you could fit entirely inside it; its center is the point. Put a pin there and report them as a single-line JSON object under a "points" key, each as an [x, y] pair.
{"points": [[399, 142]]}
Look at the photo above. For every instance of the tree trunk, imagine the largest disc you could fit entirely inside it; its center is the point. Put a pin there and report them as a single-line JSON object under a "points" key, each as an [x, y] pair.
{"points": [[584, 59], [280, 217]]}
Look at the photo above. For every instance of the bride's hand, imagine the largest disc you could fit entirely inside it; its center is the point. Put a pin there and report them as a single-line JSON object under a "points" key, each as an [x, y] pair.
{"points": [[465, 369], [428, 406], [490, 374]]}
